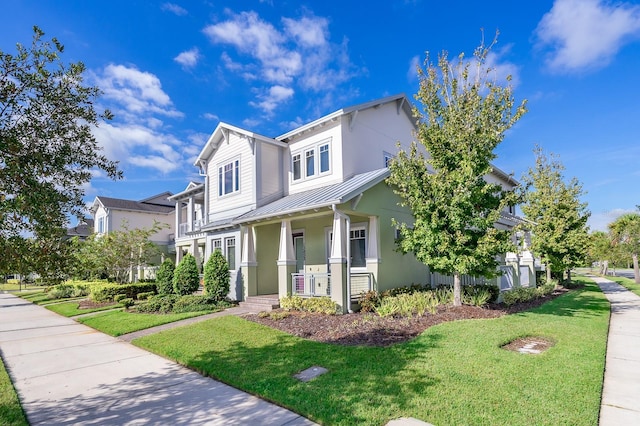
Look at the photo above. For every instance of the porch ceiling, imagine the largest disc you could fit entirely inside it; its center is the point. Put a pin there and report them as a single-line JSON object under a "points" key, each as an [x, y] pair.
{"points": [[316, 198]]}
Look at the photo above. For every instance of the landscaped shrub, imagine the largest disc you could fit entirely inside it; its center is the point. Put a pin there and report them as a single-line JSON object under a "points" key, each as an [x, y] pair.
{"points": [[520, 294], [146, 295], [546, 288], [369, 300], [388, 307], [322, 305], [127, 302], [217, 276], [292, 303], [164, 277], [61, 291], [406, 305], [186, 279], [119, 297], [161, 304], [476, 295], [105, 292], [194, 303], [443, 294]]}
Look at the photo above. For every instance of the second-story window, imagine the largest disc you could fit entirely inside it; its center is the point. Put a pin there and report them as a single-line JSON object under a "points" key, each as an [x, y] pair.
{"points": [[311, 162], [324, 158], [101, 225], [296, 167], [229, 178]]}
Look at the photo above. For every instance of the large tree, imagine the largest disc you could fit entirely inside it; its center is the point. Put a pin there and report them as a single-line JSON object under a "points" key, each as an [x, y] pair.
{"points": [[47, 149], [625, 234], [559, 231], [600, 250], [465, 113]]}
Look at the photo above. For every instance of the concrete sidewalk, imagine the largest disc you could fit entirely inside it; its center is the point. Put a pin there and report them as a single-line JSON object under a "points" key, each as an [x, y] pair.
{"points": [[621, 389], [69, 374]]}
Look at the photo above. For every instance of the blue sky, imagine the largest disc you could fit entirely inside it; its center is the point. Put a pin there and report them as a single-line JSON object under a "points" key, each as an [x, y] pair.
{"points": [[170, 71]]}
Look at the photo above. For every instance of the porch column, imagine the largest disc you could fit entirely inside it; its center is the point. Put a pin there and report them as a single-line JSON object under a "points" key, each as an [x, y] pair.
{"points": [[373, 250], [511, 259], [248, 264], [195, 251], [190, 215], [286, 259], [338, 263], [178, 216]]}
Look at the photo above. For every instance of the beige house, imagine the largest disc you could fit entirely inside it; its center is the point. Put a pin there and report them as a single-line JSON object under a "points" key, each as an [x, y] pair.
{"points": [[308, 212]]}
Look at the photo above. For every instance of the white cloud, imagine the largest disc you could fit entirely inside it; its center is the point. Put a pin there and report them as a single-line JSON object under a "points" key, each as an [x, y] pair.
{"points": [[600, 221], [270, 100], [584, 34], [134, 91], [174, 8], [297, 54], [210, 116], [412, 72], [188, 58]]}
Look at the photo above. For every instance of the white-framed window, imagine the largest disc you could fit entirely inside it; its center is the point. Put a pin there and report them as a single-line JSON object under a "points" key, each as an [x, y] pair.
{"points": [[216, 245], [229, 178], [358, 242], [386, 158], [311, 162], [101, 225], [230, 245]]}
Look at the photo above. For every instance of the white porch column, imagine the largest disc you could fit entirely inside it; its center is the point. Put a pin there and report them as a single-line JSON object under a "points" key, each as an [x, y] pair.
{"points": [[248, 264], [190, 215], [195, 251], [373, 250], [178, 214], [338, 262], [286, 259], [338, 244]]}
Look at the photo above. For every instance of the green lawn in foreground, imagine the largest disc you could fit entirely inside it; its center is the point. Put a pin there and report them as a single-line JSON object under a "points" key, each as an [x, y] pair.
{"points": [[626, 282], [70, 309], [117, 323], [453, 374], [11, 413]]}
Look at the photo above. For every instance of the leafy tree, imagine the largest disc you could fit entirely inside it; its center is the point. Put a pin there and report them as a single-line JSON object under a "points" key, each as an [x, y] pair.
{"points": [[217, 276], [118, 252], [559, 232], [600, 250], [186, 279], [164, 277], [465, 115], [47, 150], [625, 233]]}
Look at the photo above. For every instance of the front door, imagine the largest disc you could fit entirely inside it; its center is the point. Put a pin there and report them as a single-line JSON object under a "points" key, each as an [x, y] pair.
{"points": [[298, 247]]}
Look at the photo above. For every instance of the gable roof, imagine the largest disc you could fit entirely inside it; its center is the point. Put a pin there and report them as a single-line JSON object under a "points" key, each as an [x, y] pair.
{"points": [[191, 189], [316, 198], [139, 206]]}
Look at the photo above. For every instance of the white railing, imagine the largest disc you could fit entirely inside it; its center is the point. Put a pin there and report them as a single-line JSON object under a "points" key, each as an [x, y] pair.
{"points": [[311, 284], [183, 228], [361, 282]]}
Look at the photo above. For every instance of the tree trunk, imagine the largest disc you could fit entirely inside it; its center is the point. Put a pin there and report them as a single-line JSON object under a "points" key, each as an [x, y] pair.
{"points": [[569, 275], [636, 271], [457, 290], [548, 268]]}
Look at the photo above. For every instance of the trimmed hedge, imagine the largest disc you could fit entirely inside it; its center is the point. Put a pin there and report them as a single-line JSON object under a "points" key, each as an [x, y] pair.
{"points": [[107, 292]]}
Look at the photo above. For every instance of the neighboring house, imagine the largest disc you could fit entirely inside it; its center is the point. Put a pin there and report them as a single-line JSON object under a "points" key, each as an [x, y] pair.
{"points": [[82, 230], [308, 212], [109, 214]]}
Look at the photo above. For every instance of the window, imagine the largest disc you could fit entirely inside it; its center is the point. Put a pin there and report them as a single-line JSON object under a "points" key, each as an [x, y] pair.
{"points": [[324, 158], [296, 167], [358, 248], [230, 244], [229, 178], [101, 225], [216, 245], [387, 158], [310, 162]]}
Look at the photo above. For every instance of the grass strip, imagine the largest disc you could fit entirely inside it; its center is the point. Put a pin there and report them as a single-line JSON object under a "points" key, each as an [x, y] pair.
{"points": [[628, 283], [117, 323], [70, 309], [11, 413], [454, 373]]}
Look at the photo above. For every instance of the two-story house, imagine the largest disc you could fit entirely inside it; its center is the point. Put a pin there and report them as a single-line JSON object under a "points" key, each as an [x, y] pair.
{"points": [[307, 212], [110, 214]]}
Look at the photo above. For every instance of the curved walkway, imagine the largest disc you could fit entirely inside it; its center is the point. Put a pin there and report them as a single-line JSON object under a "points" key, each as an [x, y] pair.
{"points": [[621, 389], [69, 374]]}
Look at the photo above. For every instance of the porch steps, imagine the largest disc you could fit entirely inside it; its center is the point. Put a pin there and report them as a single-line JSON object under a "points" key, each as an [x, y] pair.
{"points": [[267, 302]]}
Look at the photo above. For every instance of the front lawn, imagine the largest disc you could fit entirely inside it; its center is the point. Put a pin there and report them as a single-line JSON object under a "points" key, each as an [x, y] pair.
{"points": [[70, 309], [11, 413], [454, 373], [117, 323]]}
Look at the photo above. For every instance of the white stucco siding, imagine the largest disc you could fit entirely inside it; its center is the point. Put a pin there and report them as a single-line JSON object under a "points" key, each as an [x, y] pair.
{"points": [[270, 173], [238, 148], [370, 133], [139, 220], [330, 134]]}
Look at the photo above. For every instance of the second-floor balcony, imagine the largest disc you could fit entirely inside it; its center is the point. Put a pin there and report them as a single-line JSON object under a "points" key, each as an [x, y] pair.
{"points": [[186, 227]]}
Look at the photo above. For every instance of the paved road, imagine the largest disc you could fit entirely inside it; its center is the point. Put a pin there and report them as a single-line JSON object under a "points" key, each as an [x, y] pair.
{"points": [[69, 374], [621, 389]]}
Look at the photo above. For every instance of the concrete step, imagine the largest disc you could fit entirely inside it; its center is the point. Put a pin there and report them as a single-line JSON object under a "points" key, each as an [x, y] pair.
{"points": [[264, 303], [258, 306]]}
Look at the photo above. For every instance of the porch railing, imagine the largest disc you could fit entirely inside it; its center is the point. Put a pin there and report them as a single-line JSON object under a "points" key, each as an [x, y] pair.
{"points": [[311, 284], [183, 228], [361, 282]]}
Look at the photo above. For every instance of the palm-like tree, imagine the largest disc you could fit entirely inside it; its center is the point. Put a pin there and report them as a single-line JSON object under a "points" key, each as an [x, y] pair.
{"points": [[625, 231]]}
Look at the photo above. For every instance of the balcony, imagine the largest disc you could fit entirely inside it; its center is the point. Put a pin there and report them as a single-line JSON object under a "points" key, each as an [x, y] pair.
{"points": [[196, 226]]}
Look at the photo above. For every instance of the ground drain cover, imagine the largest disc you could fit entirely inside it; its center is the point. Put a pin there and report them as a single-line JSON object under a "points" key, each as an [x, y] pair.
{"points": [[529, 345], [310, 373]]}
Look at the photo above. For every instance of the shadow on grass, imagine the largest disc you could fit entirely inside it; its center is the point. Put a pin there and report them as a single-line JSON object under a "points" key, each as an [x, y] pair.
{"points": [[363, 383]]}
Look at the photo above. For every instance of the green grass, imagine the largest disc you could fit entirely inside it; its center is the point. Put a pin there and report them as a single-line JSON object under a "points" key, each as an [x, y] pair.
{"points": [[626, 282], [117, 323], [11, 413], [70, 309], [454, 373], [20, 287], [42, 298]]}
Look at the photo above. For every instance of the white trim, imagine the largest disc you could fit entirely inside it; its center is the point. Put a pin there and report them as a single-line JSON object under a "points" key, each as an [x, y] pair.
{"points": [[302, 153]]}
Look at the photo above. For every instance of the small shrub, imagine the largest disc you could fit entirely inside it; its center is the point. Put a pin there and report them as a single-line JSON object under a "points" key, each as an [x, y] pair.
{"points": [[186, 279], [323, 305], [476, 295], [388, 307], [80, 290], [425, 302], [145, 295], [369, 300], [444, 295], [160, 304], [105, 292], [277, 316], [194, 303], [61, 291], [292, 303], [217, 276], [119, 297], [520, 294], [263, 314], [127, 302], [164, 277]]}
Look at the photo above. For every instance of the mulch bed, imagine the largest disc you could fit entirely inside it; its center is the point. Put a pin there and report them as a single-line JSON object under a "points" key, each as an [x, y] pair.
{"points": [[371, 330], [90, 304]]}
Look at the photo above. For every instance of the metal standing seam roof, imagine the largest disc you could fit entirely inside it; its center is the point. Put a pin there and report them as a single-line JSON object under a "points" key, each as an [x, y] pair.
{"points": [[316, 198]]}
